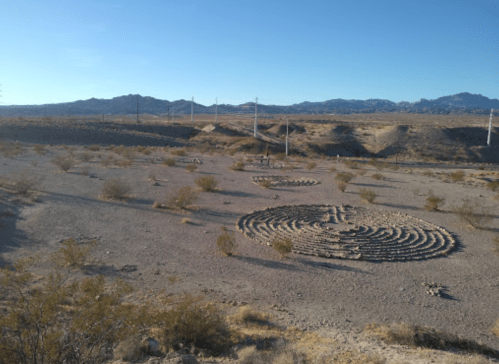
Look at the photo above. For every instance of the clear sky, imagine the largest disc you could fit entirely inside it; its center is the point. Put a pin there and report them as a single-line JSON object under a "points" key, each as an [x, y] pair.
{"points": [[282, 52]]}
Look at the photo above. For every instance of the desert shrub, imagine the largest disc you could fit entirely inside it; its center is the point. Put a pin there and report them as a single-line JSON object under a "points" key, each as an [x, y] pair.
{"points": [[332, 169], [72, 254], [265, 183], [351, 164], [181, 152], [280, 156], [457, 176], [85, 157], [473, 213], [192, 323], [23, 183], [191, 167], [39, 326], [94, 148], [495, 329], [40, 149], [361, 172], [226, 243], [288, 167], [146, 151], [367, 195], [207, 183], [342, 186], [311, 165], [170, 162], [115, 189], [10, 150], [237, 166], [345, 177], [152, 177], [182, 198], [426, 337], [282, 245], [65, 163], [493, 185], [433, 203], [378, 176], [246, 315], [279, 353], [106, 161], [496, 247], [186, 220], [84, 171], [125, 163], [427, 173]]}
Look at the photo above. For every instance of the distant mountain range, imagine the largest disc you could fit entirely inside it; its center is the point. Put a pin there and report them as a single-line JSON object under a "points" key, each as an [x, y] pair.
{"points": [[462, 103]]}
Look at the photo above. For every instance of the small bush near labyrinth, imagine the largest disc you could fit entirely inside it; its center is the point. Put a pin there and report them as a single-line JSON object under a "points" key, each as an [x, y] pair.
{"points": [[265, 183], [237, 166], [473, 213], [65, 163], [282, 245], [311, 165], [433, 203], [184, 197], [378, 177], [226, 243], [367, 195], [115, 189], [457, 176], [344, 177], [342, 186], [191, 167], [170, 162], [493, 185], [207, 183]]}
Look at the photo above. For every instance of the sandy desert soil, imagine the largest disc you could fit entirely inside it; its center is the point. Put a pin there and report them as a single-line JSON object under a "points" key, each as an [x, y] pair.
{"points": [[331, 296]]}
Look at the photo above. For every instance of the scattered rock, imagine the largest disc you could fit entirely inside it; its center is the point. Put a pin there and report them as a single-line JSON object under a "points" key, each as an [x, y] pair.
{"points": [[128, 268], [434, 289]]}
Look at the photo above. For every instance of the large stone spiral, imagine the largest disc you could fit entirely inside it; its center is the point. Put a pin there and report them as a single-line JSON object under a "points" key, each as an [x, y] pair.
{"points": [[348, 232]]}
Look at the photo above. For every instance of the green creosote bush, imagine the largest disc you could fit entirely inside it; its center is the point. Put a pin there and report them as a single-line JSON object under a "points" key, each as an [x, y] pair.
{"points": [[170, 162], [367, 195], [311, 165], [207, 183], [116, 189], [282, 245], [265, 183], [185, 196], [64, 163], [457, 176], [345, 177], [237, 166], [226, 243], [378, 176], [433, 203], [191, 167]]}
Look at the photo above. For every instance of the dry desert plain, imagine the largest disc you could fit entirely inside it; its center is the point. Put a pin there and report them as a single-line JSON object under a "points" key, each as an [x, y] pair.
{"points": [[353, 263]]}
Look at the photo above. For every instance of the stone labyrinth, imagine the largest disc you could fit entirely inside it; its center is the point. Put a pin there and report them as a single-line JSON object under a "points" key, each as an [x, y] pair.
{"points": [[285, 181], [348, 232]]}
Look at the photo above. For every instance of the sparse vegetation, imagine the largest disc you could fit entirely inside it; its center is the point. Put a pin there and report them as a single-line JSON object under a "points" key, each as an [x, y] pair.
{"points": [[184, 197], [226, 243], [10, 150], [265, 183], [186, 220], [40, 149], [342, 186], [427, 173], [345, 177], [23, 183], [247, 315], [65, 163], [191, 167], [84, 171], [351, 164], [473, 213], [181, 152], [493, 185], [457, 176], [433, 203], [170, 162], [367, 195], [282, 245], [418, 336], [207, 183], [237, 166], [86, 157], [94, 148], [115, 189], [496, 247], [495, 329], [332, 169], [125, 163], [378, 177], [311, 165], [361, 172]]}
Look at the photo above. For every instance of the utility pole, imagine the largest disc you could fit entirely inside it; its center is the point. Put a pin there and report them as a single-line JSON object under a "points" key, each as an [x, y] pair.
{"points": [[216, 110], [138, 109], [192, 109], [490, 127], [287, 135], [256, 118]]}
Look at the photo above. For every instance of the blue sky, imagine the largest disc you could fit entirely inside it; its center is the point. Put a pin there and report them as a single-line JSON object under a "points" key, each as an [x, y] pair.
{"points": [[282, 52]]}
